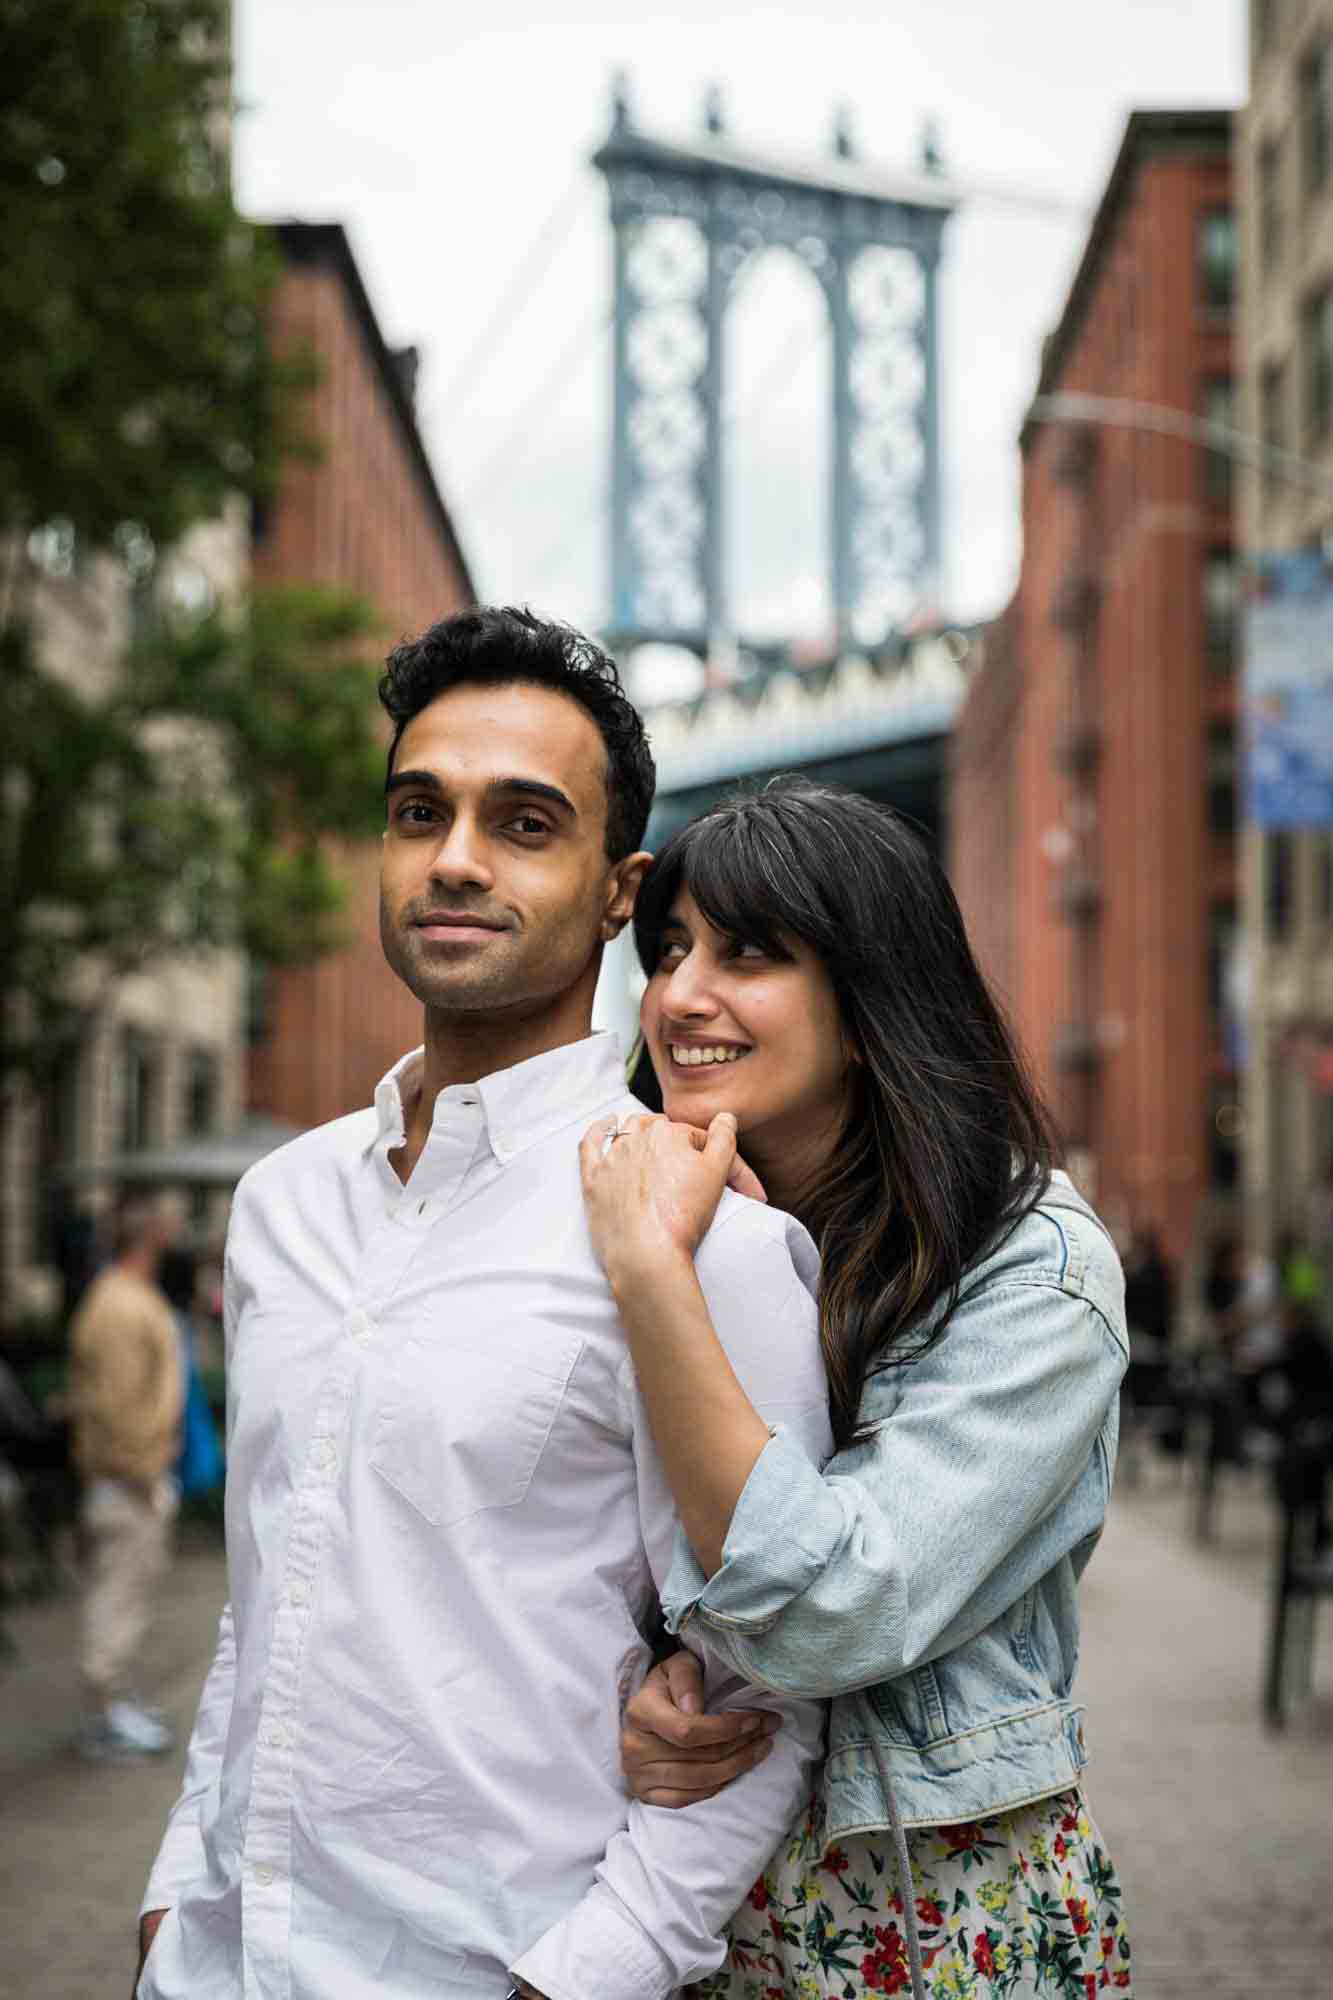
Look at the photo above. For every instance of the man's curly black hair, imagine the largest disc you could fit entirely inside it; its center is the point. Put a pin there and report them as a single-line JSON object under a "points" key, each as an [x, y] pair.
{"points": [[496, 645]]}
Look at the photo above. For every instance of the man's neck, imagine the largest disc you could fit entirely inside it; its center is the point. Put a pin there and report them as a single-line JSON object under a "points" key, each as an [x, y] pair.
{"points": [[465, 1048], [140, 1264]]}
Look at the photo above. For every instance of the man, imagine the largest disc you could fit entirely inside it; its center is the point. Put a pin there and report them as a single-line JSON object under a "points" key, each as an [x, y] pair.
{"points": [[445, 1517], [126, 1393]]}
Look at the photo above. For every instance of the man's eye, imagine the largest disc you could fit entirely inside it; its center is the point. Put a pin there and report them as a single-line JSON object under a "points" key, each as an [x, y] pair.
{"points": [[529, 824], [416, 812]]}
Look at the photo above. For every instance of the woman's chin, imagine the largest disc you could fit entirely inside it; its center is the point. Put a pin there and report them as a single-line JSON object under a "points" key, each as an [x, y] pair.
{"points": [[696, 1103]]}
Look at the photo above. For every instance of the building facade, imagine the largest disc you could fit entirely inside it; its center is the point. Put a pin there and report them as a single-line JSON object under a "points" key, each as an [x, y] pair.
{"points": [[368, 517], [1092, 821], [147, 1061], [1285, 184]]}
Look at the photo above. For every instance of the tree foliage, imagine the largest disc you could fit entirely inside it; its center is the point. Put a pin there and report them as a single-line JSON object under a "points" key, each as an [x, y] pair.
{"points": [[138, 382], [188, 805]]}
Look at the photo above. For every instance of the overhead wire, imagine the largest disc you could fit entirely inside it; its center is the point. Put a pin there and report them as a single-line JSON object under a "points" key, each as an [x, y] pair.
{"points": [[528, 273], [546, 395]]}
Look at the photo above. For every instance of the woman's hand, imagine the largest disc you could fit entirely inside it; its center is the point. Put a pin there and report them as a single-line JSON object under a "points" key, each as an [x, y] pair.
{"points": [[652, 1189], [674, 1754]]}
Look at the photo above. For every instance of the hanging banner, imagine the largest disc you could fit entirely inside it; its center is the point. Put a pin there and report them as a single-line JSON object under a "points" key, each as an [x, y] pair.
{"points": [[1289, 691]]}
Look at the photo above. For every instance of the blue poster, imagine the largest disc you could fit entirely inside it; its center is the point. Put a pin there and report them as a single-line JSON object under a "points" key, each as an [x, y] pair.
{"points": [[1289, 691]]}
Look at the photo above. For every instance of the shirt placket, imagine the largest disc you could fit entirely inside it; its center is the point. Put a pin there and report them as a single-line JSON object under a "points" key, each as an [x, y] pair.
{"points": [[266, 1889]]}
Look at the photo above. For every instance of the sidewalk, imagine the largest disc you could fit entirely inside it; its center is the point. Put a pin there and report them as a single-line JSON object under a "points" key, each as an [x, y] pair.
{"points": [[1221, 1833], [1223, 1836], [76, 1839]]}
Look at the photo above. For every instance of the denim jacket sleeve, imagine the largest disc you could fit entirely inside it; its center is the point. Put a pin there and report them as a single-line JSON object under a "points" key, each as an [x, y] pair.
{"points": [[989, 1462]]}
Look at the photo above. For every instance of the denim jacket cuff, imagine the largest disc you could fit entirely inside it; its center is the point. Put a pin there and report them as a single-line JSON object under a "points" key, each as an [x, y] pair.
{"points": [[786, 1525]]}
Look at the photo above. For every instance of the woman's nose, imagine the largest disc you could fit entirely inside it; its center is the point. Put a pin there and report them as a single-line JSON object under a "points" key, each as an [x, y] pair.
{"points": [[689, 994]]}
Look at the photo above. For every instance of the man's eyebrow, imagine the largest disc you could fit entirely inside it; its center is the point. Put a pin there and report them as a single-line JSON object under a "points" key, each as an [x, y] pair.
{"points": [[509, 787], [535, 788], [423, 781]]}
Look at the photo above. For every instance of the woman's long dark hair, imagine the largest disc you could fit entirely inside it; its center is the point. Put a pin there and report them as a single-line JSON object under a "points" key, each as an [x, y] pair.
{"points": [[946, 1143]]}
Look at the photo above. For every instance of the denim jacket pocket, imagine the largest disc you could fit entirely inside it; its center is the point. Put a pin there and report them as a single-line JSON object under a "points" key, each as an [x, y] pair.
{"points": [[911, 1707]]}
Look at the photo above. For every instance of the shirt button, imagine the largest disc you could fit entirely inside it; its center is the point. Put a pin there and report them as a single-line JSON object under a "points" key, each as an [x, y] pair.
{"points": [[358, 1325], [263, 1875], [272, 1737], [297, 1593], [322, 1452]]}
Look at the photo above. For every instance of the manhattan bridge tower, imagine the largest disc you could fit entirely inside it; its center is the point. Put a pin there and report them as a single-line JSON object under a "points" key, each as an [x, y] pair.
{"points": [[687, 220]]}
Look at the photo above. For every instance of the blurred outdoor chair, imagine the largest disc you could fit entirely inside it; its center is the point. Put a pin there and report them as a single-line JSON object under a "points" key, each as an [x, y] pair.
{"points": [[1304, 1569]]}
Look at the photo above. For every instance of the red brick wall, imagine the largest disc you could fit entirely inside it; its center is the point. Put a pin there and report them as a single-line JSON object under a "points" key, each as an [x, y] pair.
{"points": [[983, 806], [1141, 526], [358, 518]]}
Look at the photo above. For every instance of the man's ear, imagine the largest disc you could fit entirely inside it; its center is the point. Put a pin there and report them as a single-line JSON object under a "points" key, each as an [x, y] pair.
{"points": [[622, 888]]}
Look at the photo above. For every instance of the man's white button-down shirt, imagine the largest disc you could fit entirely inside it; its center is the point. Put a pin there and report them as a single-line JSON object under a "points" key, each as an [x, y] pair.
{"points": [[446, 1525]]}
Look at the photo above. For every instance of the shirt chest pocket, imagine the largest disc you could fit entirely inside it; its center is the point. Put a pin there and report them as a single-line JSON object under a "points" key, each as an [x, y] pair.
{"points": [[464, 1421]]}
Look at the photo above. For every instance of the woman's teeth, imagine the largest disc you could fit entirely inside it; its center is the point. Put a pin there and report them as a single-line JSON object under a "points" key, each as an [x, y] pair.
{"points": [[693, 1055]]}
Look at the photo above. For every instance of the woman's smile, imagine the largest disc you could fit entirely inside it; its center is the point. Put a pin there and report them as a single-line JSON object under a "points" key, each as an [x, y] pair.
{"points": [[696, 1055]]}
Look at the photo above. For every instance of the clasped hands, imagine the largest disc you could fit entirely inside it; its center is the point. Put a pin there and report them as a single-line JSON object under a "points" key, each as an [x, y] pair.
{"points": [[675, 1755], [651, 1186]]}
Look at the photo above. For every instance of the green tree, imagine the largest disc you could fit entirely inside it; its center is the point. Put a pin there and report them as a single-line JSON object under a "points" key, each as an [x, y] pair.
{"points": [[183, 798], [187, 803], [138, 382], [185, 806]]}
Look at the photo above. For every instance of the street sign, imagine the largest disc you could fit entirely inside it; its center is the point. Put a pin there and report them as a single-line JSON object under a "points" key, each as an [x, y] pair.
{"points": [[1289, 691]]}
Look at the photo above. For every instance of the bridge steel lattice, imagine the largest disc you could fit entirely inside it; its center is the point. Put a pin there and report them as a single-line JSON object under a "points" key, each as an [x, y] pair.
{"points": [[687, 220]]}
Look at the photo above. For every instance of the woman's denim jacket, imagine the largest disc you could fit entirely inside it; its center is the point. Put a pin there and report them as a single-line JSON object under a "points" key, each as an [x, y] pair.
{"points": [[926, 1579]]}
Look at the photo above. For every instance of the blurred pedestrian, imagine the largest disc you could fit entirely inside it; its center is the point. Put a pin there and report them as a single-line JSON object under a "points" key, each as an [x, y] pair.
{"points": [[126, 1393], [198, 1467], [1150, 1294]]}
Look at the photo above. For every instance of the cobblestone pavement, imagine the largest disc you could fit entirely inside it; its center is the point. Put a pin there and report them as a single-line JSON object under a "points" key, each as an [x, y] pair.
{"points": [[1223, 1836]]}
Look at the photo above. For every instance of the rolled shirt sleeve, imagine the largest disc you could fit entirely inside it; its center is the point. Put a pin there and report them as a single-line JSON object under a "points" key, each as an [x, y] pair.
{"points": [[910, 1544], [672, 1879]]}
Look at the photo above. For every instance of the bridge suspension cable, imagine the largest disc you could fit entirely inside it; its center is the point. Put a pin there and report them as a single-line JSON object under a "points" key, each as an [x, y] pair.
{"points": [[550, 238], [545, 396]]}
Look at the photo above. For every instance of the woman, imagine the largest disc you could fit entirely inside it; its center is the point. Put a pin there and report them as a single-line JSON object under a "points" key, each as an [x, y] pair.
{"points": [[808, 974]]}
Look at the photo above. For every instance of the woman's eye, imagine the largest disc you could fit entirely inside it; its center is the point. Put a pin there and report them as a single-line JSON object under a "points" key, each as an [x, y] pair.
{"points": [[670, 954], [741, 949]]}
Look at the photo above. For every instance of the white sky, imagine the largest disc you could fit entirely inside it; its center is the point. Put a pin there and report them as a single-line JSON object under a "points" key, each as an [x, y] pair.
{"points": [[443, 136]]}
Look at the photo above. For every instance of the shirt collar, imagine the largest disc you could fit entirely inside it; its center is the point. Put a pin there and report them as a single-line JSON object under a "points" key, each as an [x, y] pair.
{"points": [[521, 1105]]}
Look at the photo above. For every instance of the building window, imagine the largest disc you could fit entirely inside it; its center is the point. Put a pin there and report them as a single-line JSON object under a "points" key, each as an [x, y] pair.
{"points": [[260, 994], [1314, 120], [1270, 203], [1219, 610], [1218, 408], [1217, 258], [1273, 415], [1317, 346], [1223, 931], [201, 1092], [1221, 780], [1323, 884], [139, 1075], [54, 548], [1279, 850]]}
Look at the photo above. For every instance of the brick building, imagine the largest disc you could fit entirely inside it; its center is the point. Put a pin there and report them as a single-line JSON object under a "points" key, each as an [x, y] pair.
{"points": [[1092, 780], [367, 516], [1284, 161]]}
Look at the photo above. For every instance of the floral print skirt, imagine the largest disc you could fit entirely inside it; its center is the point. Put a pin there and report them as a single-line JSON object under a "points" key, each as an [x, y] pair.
{"points": [[1025, 1904]]}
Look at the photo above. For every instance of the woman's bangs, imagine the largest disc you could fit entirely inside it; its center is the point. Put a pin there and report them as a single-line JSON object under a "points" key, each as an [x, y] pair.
{"points": [[717, 862], [736, 889]]}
